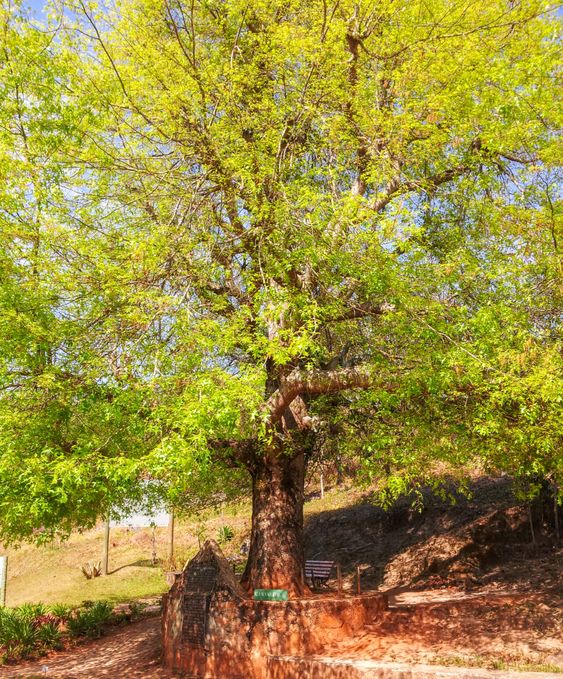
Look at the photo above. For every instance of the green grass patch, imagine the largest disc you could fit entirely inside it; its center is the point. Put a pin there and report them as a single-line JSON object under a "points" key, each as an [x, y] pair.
{"points": [[496, 663], [52, 573]]}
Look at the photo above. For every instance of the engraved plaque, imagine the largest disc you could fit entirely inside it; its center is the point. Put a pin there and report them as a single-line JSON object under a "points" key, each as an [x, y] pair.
{"points": [[201, 578], [195, 611]]}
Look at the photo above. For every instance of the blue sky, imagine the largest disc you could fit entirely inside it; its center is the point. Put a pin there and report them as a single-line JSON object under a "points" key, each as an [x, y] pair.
{"points": [[35, 5]]}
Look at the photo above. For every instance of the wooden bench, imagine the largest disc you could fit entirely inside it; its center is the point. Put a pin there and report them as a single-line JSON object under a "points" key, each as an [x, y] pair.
{"points": [[318, 572]]}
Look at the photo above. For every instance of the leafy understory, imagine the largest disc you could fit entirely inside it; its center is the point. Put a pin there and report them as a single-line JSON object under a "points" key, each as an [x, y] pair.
{"points": [[32, 630]]}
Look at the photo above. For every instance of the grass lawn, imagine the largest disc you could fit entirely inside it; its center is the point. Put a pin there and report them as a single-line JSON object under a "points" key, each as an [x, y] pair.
{"points": [[51, 574]]}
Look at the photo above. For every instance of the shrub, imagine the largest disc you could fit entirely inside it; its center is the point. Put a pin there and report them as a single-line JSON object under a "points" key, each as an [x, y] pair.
{"points": [[61, 611], [136, 609], [225, 534], [90, 621], [32, 629], [31, 611], [19, 635], [49, 635]]}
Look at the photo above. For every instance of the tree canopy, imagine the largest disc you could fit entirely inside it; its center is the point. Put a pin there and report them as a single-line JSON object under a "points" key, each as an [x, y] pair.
{"points": [[237, 233]]}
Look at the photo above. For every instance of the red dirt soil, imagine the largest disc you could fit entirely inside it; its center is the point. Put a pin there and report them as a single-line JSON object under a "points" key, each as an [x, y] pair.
{"points": [[458, 627], [428, 626]]}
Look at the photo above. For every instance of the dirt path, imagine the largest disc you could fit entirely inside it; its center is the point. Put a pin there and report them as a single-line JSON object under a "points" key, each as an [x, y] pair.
{"points": [[132, 652]]}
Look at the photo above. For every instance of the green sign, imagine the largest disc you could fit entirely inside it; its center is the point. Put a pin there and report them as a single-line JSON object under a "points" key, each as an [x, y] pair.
{"points": [[270, 595]]}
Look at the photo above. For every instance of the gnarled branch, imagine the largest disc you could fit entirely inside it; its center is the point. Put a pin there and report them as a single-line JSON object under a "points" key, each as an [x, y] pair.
{"points": [[362, 311], [398, 188], [300, 382]]}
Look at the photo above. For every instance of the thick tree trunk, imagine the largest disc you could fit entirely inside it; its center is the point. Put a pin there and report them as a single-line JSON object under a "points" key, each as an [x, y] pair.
{"points": [[276, 557]]}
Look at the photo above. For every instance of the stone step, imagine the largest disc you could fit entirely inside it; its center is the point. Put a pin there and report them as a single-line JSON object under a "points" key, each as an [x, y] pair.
{"points": [[291, 667]]}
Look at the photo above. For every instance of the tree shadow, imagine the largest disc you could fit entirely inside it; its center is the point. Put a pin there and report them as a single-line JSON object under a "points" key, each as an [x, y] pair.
{"points": [[465, 539], [142, 563]]}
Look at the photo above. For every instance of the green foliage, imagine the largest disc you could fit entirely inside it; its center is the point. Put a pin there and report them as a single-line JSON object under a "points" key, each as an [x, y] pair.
{"points": [[49, 635], [201, 533], [61, 611], [136, 609], [90, 620], [197, 200], [29, 630], [18, 633], [26, 631], [31, 611], [225, 534]]}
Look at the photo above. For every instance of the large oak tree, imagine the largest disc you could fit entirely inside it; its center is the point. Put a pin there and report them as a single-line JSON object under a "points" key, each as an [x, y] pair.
{"points": [[232, 226]]}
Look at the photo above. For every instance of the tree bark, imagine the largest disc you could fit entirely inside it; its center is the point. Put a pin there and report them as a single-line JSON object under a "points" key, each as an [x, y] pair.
{"points": [[310, 382], [276, 555]]}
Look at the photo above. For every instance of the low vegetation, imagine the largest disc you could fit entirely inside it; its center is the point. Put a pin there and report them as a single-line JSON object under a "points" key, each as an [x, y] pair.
{"points": [[507, 664], [91, 570], [32, 630]]}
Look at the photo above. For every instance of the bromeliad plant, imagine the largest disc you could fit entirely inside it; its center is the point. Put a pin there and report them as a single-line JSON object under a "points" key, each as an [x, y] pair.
{"points": [[28, 630], [91, 569], [225, 534]]}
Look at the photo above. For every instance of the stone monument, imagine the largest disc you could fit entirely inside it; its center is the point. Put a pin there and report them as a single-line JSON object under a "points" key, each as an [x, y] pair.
{"points": [[213, 629]]}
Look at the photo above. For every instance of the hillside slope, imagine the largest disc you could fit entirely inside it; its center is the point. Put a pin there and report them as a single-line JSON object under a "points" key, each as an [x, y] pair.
{"points": [[479, 541], [465, 585], [51, 574], [473, 544]]}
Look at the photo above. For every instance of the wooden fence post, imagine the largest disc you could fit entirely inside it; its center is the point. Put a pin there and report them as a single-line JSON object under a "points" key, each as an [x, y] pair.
{"points": [[3, 579], [105, 549], [171, 539], [358, 583]]}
